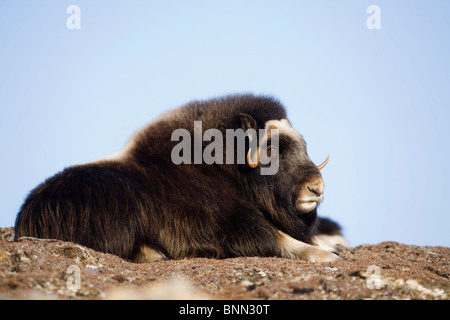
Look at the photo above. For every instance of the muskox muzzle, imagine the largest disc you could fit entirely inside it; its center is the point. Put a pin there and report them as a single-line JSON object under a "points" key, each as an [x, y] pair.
{"points": [[311, 192]]}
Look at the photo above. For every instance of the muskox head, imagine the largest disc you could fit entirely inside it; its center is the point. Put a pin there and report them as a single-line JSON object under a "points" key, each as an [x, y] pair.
{"points": [[290, 196], [268, 159]]}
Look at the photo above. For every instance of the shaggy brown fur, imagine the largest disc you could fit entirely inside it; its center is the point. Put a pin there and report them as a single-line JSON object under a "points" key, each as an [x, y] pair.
{"points": [[139, 203]]}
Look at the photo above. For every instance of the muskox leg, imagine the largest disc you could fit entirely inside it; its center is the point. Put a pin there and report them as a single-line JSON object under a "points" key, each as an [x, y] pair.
{"points": [[295, 249], [147, 254], [323, 243], [329, 234]]}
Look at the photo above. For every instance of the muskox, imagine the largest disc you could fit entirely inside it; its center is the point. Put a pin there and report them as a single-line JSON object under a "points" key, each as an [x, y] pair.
{"points": [[140, 205]]}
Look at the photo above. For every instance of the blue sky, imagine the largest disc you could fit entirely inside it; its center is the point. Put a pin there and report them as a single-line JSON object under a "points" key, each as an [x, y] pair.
{"points": [[376, 101]]}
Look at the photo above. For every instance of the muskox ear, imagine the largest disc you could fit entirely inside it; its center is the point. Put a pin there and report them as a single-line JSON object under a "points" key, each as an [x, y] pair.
{"points": [[247, 121], [249, 125]]}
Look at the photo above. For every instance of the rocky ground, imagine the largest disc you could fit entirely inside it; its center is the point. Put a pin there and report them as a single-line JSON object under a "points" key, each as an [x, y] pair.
{"points": [[32, 269]]}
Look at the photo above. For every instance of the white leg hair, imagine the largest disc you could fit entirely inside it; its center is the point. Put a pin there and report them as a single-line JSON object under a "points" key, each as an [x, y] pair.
{"points": [[295, 249], [327, 242], [147, 254]]}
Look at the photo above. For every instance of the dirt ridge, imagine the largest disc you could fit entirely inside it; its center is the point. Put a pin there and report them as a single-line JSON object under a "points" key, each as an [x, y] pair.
{"points": [[31, 269]]}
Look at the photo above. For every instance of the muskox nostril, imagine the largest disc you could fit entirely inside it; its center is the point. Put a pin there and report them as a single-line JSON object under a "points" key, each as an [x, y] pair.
{"points": [[315, 190]]}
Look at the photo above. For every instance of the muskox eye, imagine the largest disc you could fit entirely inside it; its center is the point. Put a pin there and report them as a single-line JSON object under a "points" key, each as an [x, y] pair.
{"points": [[272, 151]]}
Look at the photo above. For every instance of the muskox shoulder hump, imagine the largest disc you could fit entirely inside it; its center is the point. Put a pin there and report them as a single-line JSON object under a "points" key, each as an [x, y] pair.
{"points": [[262, 108]]}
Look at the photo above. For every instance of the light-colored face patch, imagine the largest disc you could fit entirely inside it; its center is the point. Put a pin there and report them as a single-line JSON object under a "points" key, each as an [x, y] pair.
{"points": [[284, 126], [285, 129]]}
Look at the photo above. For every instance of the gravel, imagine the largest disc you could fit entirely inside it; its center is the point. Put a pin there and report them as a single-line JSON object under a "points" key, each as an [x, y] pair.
{"points": [[34, 269]]}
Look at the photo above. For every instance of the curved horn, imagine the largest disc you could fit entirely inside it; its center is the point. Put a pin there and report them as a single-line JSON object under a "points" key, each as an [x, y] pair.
{"points": [[252, 162], [320, 167]]}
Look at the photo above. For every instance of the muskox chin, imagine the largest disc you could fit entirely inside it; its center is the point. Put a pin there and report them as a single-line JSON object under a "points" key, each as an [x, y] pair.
{"points": [[141, 206]]}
